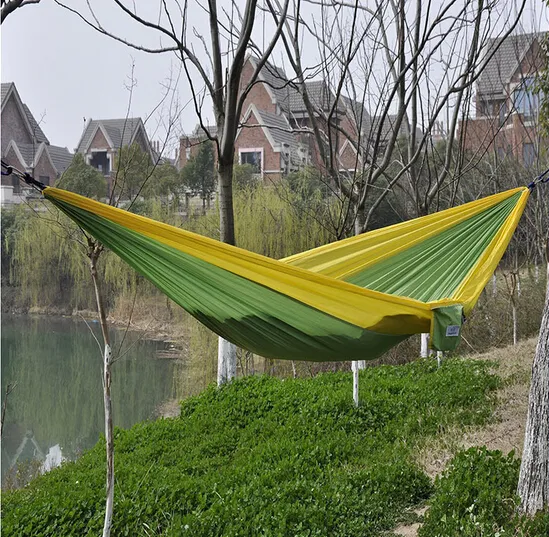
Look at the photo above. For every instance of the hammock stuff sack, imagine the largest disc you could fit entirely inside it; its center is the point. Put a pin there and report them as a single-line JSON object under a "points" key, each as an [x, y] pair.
{"points": [[350, 300]]}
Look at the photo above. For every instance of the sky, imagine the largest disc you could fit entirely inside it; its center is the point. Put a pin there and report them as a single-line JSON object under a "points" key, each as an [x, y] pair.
{"points": [[67, 72]]}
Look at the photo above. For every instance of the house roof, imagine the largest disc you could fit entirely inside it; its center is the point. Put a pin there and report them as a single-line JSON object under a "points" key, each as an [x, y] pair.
{"points": [[278, 127], [61, 157], [277, 81], [121, 132], [37, 131], [28, 152], [359, 114], [33, 125], [5, 89], [199, 131], [505, 61]]}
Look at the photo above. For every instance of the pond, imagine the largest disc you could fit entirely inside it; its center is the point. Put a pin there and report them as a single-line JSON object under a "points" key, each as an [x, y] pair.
{"points": [[55, 411]]}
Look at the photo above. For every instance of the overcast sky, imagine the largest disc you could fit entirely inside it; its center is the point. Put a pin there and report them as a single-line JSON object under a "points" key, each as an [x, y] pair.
{"points": [[67, 72]]}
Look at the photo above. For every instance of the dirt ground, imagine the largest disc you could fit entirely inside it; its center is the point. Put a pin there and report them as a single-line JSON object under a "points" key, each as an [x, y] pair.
{"points": [[505, 432]]}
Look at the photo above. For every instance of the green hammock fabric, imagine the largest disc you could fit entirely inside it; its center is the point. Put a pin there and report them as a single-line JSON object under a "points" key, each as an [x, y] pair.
{"points": [[352, 300]]}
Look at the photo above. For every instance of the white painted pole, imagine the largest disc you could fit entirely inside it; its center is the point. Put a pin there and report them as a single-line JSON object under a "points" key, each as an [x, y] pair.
{"points": [[355, 368], [226, 361], [424, 353], [440, 356]]}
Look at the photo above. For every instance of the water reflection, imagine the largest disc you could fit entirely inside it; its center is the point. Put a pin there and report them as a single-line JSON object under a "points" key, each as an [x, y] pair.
{"points": [[56, 410]]}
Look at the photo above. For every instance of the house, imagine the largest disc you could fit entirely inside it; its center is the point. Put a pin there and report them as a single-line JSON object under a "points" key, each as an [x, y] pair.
{"points": [[103, 138], [506, 105], [275, 134], [26, 147]]}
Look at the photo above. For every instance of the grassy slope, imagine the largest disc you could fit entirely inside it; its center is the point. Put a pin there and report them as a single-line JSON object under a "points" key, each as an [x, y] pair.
{"points": [[267, 457]]}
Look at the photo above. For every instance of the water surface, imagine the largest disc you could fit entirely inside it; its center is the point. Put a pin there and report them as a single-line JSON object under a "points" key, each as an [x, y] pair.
{"points": [[56, 410]]}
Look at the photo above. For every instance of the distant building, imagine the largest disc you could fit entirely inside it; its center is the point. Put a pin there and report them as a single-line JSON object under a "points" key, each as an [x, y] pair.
{"points": [[26, 147], [274, 135], [103, 138], [506, 106]]}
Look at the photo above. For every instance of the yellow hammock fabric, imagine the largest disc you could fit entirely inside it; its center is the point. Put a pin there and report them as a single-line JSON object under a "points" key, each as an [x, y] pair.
{"points": [[351, 299]]}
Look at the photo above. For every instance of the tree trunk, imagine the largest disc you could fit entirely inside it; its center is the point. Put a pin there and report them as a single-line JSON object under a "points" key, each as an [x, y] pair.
{"points": [[226, 214], [515, 324], [533, 486], [226, 351], [95, 252], [109, 440]]}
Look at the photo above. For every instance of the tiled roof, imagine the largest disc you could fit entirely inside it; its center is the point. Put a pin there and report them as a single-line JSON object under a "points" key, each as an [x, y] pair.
{"points": [[28, 152], [358, 112], [38, 133], [35, 127], [284, 92], [505, 61], [60, 156], [287, 94], [120, 131], [278, 127], [5, 89], [199, 131], [371, 126]]}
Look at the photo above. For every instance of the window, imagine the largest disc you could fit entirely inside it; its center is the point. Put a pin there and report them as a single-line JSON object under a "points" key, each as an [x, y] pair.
{"points": [[526, 101], [188, 153], [44, 179], [16, 184], [528, 154], [502, 113], [253, 158], [100, 161]]}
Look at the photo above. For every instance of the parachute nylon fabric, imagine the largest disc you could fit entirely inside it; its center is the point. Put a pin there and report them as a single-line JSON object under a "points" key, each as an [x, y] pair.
{"points": [[284, 311]]}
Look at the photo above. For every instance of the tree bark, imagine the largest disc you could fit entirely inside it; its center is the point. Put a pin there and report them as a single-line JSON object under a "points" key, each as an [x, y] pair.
{"points": [[533, 486], [226, 351], [109, 440]]}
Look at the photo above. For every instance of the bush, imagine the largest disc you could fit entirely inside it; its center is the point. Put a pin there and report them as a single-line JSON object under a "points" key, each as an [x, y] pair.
{"points": [[476, 496]]}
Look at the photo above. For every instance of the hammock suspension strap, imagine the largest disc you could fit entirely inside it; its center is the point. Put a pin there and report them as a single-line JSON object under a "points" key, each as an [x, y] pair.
{"points": [[542, 178], [22, 176]]}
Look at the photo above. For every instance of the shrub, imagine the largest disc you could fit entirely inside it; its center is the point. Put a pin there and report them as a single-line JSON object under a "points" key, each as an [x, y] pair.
{"points": [[476, 496]]}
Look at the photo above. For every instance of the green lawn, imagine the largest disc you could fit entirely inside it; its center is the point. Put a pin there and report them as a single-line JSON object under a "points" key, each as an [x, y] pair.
{"points": [[267, 457]]}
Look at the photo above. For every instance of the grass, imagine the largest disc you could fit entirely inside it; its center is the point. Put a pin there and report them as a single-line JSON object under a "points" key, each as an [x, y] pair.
{"points": [[476, 496], [269, 457]]}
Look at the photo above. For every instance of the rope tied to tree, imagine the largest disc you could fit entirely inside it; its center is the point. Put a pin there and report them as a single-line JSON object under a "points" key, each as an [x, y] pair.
{"points": [[22, 176]]}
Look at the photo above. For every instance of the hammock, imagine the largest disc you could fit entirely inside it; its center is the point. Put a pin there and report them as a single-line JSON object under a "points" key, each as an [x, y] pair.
{"points": [[350, 300]]}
